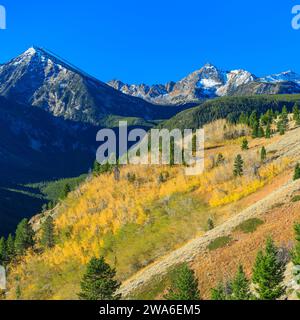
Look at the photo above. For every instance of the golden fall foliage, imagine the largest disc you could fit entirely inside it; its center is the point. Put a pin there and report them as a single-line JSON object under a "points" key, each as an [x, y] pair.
{"points": [[134, 222]]}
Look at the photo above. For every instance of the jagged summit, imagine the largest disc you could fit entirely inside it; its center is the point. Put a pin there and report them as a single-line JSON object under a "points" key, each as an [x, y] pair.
{"points": [[41, 78], [210, 82]]}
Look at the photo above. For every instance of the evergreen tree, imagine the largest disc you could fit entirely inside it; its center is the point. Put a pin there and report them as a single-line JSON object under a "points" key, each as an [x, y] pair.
{"points": [[255, 130], [66, 191], [245, 144], [284, 118], [210, 224], [297, 172], [263, 154], [10, 247], [260, 132], [18, 292], [296, 114], [296, 254], [48, 239], [24, 237], [99, 282], [3, 252], [238, 170], [185, 285], [268, 273], [219, 293], [253, 119], [296, 251], [281, 127], [240, 286], [268, 131]]}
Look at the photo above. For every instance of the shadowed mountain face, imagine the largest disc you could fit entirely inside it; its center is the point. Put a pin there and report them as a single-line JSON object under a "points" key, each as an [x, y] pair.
{"points": [[211, 82], [50, 112]]}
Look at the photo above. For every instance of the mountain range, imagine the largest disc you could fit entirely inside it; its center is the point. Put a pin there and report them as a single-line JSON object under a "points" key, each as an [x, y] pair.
{"points": [[211, 82], [50, 111]]}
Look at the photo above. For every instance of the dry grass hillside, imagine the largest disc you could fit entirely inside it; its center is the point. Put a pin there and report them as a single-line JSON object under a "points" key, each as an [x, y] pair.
{"points": [[144, 225]]}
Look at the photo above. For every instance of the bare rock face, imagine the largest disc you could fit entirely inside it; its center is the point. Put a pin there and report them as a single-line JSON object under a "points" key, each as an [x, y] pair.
{"points": [[40, 78], [211, 82]]}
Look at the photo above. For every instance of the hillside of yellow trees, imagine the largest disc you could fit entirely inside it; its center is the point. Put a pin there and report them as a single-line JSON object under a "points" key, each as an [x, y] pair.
{"points": [[141, 217]]}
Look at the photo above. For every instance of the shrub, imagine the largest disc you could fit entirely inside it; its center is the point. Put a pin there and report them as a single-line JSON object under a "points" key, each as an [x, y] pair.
{"points": [[219, 243], [249, 225]]}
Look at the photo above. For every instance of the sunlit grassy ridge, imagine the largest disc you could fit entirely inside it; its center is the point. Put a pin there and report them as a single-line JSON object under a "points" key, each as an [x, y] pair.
{"points": [[134, 222]]}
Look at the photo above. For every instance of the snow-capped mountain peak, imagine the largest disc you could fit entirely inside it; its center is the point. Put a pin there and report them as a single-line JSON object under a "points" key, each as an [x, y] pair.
{"points": [[283, 76], [210, 82]]}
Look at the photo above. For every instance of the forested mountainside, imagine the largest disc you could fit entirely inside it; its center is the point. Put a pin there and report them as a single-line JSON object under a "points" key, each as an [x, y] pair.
{"points": [[148, 219]]}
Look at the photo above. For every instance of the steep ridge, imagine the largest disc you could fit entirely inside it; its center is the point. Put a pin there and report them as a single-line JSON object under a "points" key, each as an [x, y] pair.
{"points": [[40, 78], [210, 82]]}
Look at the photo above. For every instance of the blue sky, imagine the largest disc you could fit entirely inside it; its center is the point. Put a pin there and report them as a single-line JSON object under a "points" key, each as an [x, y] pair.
{"points": [[156, 41]]}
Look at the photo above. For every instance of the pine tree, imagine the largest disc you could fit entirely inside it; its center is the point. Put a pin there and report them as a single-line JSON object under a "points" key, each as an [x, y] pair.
{"points": [[297, 172], [238, 166], [255, 130], [284, 118], [240, 286], [219, 293], [268, 273], [296, 254], [184, 286], [99, 282], [66, 191], [48, 239], [253, 119], [281, 127], [260, 132], [10, 247], [24, 237], [245, 144], [3, 252], [296, 114], [263, 154], [210, 224], [268, 132]]}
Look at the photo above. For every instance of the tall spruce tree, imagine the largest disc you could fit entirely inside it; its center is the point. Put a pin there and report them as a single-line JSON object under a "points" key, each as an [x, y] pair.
{"points": [[10, 247], [240, 286], [296, 254], [99, 282], [268, 273], [184, 286], [268, 131], [66, 190], [219, 293], [296, 114], [238, 170], [24, 237], [48, 237], [263, 154], [245, 144], [3, 251], [297, 172]]}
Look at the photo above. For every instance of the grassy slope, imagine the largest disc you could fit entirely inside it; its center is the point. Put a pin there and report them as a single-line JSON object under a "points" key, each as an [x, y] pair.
{"points": [[134, 223]]}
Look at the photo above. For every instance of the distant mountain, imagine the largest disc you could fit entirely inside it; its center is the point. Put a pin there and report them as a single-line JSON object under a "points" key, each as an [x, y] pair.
{"points": [[40, 78], [211, 82]]}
